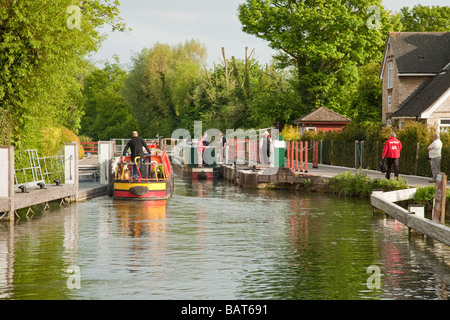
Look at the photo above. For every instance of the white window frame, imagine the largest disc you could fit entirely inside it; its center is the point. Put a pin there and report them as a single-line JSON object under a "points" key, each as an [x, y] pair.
{"points": [[311, 129], [390, 81], [444, 127]]}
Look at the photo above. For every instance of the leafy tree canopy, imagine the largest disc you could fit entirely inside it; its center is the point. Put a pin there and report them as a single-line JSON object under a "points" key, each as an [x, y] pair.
{"points": [[43, 49], [106, 114], [329, 41], [422, 18]]}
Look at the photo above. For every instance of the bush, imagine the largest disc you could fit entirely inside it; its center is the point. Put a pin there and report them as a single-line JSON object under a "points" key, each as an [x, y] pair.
{"points": [[55, 138], [361, 185], [290, 132], [425, 196], [338, 147]]}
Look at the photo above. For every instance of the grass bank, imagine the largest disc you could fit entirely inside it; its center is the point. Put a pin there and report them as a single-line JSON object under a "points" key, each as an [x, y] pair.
{"points": [[361, 185]]}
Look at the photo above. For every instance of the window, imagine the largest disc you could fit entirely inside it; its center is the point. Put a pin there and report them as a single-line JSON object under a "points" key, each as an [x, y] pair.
{"points": [[444, 125], [389, 101], [390, 83], [311, 129]]}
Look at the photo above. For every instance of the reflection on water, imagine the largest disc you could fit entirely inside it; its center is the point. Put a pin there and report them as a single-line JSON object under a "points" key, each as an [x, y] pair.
{"points": [[213, 240]]}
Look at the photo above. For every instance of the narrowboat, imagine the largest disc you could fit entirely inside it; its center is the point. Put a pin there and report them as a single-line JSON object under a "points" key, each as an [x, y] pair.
{"points": [[189, 164], [152, 180]]}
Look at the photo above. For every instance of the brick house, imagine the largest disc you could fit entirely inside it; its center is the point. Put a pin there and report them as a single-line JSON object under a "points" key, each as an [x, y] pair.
{"points": [[322, 119], [416, 79]]}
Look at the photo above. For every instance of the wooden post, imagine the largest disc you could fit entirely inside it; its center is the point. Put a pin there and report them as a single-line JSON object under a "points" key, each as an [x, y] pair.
{"points": [[417, 158], [439, 198], [301, 156], [296, 155], [385, 201], [292, 155], [361, 153], [316, 154], [7, 183], [288, 146], [306, 156], [321, 152]]}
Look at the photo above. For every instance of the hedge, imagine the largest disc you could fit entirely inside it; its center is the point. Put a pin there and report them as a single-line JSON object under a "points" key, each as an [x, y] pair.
{"points": [[338, 147]]}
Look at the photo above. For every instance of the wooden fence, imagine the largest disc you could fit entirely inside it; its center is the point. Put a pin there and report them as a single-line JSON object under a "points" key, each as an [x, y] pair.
{"points": [[386, 202], [90, 147]]}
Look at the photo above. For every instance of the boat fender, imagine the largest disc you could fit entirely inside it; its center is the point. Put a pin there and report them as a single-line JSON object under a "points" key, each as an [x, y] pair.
{"points": [[202, 176], [139, 190]]}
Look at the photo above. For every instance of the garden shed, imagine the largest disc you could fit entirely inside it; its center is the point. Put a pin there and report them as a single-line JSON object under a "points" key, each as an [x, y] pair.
{"points": [[322, 119]]}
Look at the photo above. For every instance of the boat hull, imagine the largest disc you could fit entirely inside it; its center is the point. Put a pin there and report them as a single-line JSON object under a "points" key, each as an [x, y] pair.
{"points": [[196, 173], [155, 182], [143, 190]]}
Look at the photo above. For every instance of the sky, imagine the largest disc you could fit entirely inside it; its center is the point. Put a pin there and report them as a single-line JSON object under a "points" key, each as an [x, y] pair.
{"points": [[214, 23]]}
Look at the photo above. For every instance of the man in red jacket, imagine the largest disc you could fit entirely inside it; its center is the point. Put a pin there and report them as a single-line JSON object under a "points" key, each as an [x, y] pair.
{"points": [[391, 151]]}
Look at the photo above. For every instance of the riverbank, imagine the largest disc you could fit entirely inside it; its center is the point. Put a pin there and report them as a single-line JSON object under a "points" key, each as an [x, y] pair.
{"points": [[337, 180], [316, 179]]}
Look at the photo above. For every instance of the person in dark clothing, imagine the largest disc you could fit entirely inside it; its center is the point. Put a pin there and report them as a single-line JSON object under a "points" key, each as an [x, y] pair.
{"points": [[136, 145]]}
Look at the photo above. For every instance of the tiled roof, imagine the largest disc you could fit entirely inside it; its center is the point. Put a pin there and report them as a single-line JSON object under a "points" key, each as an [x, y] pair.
{"points": [[420, 52], [424, 96], [323, 114]]}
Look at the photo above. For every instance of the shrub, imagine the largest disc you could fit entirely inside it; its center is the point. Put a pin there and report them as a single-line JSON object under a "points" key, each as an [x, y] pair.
{"points": [[338, 147], [290, 132], [55, 138], [361, 185]]}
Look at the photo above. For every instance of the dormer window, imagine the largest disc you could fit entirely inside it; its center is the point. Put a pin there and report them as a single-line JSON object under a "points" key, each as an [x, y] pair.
{"points": [[390, 82]]}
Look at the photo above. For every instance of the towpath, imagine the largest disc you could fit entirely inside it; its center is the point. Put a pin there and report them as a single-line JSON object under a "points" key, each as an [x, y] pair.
{"points": [[331, 171]]}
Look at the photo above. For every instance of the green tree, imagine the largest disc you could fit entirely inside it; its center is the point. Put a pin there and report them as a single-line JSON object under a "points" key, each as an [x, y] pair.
{"points": [[160, 86], [106, 114], [241, 93], [43, 48], [425, 19], [326, 41], [366, 106]]}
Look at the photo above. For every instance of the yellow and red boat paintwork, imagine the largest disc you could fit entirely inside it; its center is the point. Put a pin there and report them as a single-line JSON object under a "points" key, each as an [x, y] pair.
{"points": [[156, 190], [150, 187]]}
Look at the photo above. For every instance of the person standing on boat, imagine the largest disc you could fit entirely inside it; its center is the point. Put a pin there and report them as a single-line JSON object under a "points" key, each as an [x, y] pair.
{"points": [[136, 145], [391, 151], [434, 153], [264, 146], [221, 147], [201, 146]]}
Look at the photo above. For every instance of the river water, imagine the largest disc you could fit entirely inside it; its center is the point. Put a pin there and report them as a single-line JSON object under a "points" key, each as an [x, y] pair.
{"points": [[216, 241]]}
